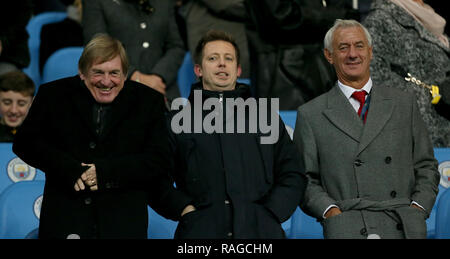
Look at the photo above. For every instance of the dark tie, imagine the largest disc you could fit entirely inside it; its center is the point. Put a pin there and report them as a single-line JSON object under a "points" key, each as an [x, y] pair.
{"points": [[360, 96]]}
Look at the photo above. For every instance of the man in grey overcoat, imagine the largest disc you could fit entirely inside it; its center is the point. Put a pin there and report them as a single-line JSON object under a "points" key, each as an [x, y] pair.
{"points": [[370, 163]]}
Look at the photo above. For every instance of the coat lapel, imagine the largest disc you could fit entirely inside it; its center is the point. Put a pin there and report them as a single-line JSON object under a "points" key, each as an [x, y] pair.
{"points": [[342, 115], [380, 111]]}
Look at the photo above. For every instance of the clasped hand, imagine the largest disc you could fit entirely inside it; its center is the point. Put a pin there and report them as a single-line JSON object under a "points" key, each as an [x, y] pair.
{"points": [[87, 179]]}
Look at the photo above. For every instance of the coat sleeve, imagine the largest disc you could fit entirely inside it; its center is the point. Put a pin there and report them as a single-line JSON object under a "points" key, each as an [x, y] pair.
{"points": [[316, 199], [289, 181], [174, 52], [34, 143], [425, 165]]}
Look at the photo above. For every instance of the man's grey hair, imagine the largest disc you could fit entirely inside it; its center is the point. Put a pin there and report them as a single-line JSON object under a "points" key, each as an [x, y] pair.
{"points": [[328, 41]]}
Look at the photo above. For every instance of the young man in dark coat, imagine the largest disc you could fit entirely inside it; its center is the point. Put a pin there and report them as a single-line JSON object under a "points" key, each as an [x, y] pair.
{"points": [[102, 143], [241, 186]]}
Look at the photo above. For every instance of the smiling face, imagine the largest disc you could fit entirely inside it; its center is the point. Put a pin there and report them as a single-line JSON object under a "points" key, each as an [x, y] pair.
{"points": [[219, 67], [105, 80], [351, 56], [14, 107]]}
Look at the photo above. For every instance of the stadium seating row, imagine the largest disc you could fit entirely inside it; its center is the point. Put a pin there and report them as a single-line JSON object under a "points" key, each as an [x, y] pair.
{"points": [[21, 188]]}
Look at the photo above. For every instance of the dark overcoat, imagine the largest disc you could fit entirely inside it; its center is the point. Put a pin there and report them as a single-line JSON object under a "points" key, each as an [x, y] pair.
{"points": [[131, 160], [235, 180]]}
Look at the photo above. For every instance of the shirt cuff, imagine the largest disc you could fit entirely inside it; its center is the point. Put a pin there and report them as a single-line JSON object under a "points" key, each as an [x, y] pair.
{"points": [[415, 203], [329, 207]]}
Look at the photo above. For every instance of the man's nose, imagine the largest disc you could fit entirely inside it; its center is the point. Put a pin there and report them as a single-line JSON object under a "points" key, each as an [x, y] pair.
{"points": [[14, 108], [352, 53], [222, 61], [106, 79]]}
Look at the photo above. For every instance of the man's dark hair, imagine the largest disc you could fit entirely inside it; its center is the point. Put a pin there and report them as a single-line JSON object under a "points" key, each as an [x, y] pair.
{"points": [[17, 81], [214, 35]]}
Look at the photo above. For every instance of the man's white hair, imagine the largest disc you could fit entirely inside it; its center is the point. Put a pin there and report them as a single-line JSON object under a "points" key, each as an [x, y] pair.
{"points": [[328, 41]]}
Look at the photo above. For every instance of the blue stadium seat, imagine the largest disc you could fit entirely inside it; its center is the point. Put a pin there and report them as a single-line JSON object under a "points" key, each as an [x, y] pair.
{"points": [[186, 76], [443, 216], [13, 169], [289, 118], [34, 41], [304, 226], [244, 81], [20, 206], [160, 227], [443, 157], [62, 63]]}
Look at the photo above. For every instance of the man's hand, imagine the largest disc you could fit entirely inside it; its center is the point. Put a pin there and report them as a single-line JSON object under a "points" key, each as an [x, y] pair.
{"points": [[187, 209], [332, 212], [152, 81], [88, 178]]}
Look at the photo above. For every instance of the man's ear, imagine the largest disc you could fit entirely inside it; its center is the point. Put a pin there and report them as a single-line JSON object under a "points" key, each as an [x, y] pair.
{"points": [[239, 71], [328, 56], [81, 75], [198, 70]]}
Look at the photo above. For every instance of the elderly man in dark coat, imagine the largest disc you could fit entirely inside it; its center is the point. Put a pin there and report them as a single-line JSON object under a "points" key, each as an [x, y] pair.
{"points": [[102, 143]]}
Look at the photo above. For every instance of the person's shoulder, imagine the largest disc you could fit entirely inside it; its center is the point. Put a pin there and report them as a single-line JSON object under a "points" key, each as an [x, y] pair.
{"points": [[315, 105], [396, 94], [60, 85]]}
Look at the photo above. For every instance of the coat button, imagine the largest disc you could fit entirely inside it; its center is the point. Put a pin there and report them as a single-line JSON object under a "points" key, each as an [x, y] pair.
{"points": [[363, 231], [393, 194], [145, 44], [227, 202], [358, 162], [388, 160], [87, 201], [143, 25], [92, 145], [399, 226]]}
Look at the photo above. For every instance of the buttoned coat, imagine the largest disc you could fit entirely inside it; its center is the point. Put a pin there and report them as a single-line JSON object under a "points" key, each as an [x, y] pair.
{"points": [[372, 171], [152, 41], [131, 159], [402, 45]]}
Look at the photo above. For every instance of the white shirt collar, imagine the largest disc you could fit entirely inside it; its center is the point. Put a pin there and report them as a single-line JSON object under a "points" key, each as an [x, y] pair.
{"points": [[348, 90]]}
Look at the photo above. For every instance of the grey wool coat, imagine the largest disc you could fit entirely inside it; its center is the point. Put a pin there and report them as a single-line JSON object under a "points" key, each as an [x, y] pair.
{"points": [[371, 171], [152, 40], [402, 45]]}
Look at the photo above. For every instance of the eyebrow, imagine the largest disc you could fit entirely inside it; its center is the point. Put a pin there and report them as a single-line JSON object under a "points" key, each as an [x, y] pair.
{"points": [[100, 70], [346, 43]]}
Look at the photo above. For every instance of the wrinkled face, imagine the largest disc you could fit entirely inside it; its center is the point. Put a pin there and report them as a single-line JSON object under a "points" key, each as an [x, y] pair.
{"points": [[219, 69], [14, 107], [105, 80], [351, 55]]}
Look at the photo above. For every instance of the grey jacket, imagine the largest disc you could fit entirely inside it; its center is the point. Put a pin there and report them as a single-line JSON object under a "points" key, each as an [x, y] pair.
{"points": [[152, 41], [402, 45], [372, 171]]}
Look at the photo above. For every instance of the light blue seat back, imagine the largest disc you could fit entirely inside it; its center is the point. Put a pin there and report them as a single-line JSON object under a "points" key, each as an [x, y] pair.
{"points": [[33, 28], [443, 216], [20, 206], [13, 169], [160, 227], [62, 63]]}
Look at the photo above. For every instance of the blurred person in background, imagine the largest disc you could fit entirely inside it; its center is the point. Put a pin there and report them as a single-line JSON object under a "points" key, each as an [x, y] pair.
{"points": [[16, 95], [408, 37], [149, 33]]}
